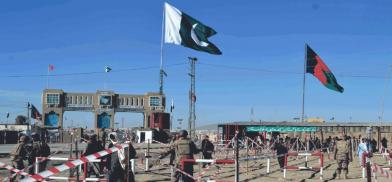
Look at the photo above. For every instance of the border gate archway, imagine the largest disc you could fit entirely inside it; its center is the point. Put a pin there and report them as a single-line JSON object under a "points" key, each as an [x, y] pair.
{"points": [[104, 105]]}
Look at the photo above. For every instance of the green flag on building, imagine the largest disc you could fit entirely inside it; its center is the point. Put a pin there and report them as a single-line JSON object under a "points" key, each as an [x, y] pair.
{"points": [[182, 29]]}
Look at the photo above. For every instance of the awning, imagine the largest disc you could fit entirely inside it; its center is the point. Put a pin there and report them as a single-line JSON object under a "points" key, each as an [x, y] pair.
{"points": [[281, 128]]}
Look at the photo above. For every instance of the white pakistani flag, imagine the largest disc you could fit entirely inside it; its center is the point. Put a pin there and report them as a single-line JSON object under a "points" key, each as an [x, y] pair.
{"points": [[181, 29]]}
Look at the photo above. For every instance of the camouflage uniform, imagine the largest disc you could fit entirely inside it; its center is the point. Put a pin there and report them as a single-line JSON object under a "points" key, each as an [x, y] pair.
{"points": [[184, 148], [18, 154], [342, 155], [39, 149]]}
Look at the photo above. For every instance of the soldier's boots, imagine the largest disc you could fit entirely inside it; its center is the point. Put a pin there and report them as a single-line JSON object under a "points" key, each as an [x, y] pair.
{"points": [[338, 174], [345, 172]]}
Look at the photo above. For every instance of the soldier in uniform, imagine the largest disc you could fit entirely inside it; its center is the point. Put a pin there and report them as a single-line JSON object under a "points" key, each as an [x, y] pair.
{"points": [[172, 153], [38, 149], [18, 154], [343, 156], [184, 148]]}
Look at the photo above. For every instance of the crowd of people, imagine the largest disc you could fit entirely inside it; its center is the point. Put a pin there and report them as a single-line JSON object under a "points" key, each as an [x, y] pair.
{"points": [[343, 147]]}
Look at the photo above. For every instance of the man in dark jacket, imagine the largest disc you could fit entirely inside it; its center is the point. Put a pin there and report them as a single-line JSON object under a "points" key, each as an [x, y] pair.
{"points": [[207, 149], [384, 144], [281, 151], [117, 161], [93, 146]]}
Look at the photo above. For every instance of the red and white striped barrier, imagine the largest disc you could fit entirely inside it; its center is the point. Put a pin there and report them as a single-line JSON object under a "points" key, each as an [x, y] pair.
{"points": [[296, 154], [10, 168], [41, 159], [381, 170], [71, 164], [211, 161], [385, 155]]}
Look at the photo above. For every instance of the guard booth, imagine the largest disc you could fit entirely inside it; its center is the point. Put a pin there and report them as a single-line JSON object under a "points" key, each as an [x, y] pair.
{"points": [[144, 136]]}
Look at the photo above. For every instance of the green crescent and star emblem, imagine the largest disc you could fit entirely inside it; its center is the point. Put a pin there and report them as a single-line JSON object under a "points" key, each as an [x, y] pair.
{"points": [[195, 35], [182, 29]]}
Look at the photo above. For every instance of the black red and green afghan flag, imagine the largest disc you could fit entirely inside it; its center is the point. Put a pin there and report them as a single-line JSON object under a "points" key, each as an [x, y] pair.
{"points": [[35, 113], [316, 66]]}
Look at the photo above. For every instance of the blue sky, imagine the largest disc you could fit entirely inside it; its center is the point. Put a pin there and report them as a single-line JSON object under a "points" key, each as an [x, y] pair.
{"points": [[263, 54]]}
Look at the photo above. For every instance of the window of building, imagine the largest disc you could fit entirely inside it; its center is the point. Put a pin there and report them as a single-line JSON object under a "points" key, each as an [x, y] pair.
{"points": [[155, 101], [142, 102], [68, 100], [137, 101], [132, 101], [80, 100], [53, 99]]}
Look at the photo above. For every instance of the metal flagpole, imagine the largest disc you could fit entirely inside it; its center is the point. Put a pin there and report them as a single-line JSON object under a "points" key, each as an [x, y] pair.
{"points": [[303, 86], [161, 72], [171, 114], [387, 78], [28, 120], [47, 78]]}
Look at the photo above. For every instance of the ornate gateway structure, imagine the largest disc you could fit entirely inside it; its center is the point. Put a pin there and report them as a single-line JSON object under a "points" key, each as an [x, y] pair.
{"points": [[104, 105]]}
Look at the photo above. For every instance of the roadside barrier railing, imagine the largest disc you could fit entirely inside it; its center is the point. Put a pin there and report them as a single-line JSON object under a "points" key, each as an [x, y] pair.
{"points": [[194, 161], [38, 160], [72, 164], [319, 168]]}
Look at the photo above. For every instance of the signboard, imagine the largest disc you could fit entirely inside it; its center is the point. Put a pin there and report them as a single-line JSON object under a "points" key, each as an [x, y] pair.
{"points": [[105, 100], [281, 128]]}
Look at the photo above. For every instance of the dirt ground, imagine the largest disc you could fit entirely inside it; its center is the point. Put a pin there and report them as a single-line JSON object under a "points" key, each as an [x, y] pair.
{"points": [[250, 171]]}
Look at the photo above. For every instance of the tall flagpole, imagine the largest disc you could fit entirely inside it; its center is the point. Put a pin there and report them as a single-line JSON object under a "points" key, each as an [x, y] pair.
{"points": [[47, 78], [387, 78], [161, 72], [303, 86]]}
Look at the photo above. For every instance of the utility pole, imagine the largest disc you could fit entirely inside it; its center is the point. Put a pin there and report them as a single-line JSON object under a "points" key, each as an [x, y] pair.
{"points": [[192, 98], [28, 120], [161, 73]]}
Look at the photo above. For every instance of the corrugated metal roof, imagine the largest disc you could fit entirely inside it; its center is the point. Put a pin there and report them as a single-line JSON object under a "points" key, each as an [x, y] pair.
{"points": [[287, 123]]}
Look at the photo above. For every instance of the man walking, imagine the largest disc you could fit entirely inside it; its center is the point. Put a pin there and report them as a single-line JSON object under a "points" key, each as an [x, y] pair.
{"points": [[207, 149], [281, 151]]}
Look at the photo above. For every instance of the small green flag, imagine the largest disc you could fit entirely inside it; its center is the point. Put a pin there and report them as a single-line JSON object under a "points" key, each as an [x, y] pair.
{"points": [[182, 29], [108, 69]]}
